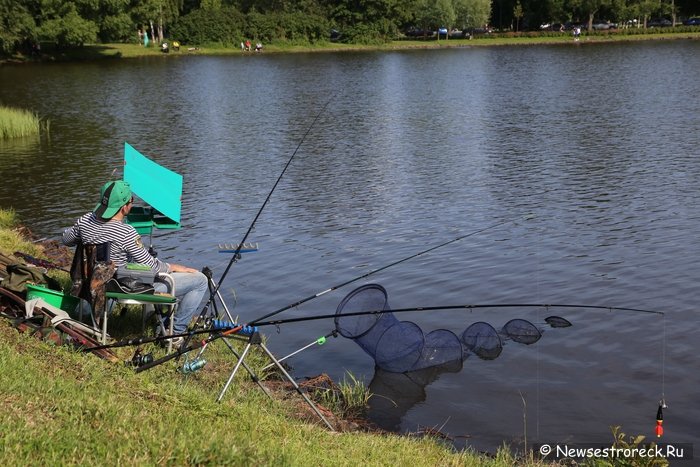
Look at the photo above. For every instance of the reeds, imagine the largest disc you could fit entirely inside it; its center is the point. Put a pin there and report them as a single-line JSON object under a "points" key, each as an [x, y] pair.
{"points": [[348, 399], [16, 123]]}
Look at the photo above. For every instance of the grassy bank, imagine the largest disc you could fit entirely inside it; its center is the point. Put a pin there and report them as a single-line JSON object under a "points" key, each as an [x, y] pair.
{"points": [[101, 51], [16, 123], [60, 406]]}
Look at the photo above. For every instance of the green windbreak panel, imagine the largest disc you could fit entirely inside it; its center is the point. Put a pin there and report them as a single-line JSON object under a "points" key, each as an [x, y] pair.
{"points": [[159, 187]]}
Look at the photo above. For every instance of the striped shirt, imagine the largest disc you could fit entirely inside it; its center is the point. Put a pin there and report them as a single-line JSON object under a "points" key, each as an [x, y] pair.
{"points": [[125, 242]]}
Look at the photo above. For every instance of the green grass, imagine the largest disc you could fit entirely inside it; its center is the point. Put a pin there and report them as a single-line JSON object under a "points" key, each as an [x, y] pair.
{"points": [[17, 123], [11, 239], [8, 219], [60, 406]]}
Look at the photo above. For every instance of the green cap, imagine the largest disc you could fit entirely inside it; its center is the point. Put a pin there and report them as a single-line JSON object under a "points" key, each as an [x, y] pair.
{"points": [[114, 195]]}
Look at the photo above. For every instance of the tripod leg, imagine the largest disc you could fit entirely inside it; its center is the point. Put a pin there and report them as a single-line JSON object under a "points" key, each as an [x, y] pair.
{"points": [[213, 287], [223, 303], [233, 373], [247, 368], [296, 386]]}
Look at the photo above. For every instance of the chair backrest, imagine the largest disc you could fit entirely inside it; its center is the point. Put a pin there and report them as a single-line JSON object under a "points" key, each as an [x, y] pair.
{"points": [[90, 271]]}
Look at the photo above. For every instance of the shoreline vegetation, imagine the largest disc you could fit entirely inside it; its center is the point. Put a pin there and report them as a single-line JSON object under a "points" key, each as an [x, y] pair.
{"points": [[61, 406], [115, 51], [18, 123]]}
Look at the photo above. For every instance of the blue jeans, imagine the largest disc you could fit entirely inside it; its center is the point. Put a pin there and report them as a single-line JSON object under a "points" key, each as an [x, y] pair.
{"points": [[189, 289]]}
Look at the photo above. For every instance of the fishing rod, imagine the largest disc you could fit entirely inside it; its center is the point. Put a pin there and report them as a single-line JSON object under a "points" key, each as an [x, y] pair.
{"points": [[451, 307], [367, 274], [230, 328], [236, 253], [188, 347], [244, 330]]}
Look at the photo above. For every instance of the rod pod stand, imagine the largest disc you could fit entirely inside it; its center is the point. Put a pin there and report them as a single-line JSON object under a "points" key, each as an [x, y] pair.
{"points": [[214, 293], [255, 339]]}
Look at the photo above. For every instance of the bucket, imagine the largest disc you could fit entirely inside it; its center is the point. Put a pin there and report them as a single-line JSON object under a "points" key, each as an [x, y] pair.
{"points": [[53, 297]]}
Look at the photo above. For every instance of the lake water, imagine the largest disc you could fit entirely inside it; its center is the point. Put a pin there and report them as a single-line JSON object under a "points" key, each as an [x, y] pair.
{"points": [[588, 152]]}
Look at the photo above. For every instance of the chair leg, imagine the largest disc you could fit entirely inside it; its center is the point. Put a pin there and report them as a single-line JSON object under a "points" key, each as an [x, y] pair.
{"points": [[171, 328], [104, 324]]}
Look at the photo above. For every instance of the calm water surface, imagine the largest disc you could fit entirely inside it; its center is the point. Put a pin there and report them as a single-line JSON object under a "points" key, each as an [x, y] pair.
{"points": [[590, 152]]}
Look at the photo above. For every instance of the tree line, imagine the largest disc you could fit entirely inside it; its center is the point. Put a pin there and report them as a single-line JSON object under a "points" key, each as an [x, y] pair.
{"points": [[24, 24]]}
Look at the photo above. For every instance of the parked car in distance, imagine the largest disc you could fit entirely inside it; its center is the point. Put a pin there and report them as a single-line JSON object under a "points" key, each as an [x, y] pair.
{"points": [[692, 22], [603, 25], [415, 32], [476, 31], [659, 23]]}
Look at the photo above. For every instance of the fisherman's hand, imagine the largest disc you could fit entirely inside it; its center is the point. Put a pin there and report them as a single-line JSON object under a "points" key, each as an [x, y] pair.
{"points": [[181, 268]]}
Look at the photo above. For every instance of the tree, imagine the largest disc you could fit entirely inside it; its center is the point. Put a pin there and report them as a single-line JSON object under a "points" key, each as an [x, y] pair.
{"points": [[368, 20], [543, 11], [161, 12], [517, 14], [472, 13], [62, 25], [433, 14], [17, 25]]}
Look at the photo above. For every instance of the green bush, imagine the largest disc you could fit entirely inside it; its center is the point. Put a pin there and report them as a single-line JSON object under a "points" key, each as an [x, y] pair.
{"points": [[297, 27], [224, 26], [375, 33], [303, 26]]}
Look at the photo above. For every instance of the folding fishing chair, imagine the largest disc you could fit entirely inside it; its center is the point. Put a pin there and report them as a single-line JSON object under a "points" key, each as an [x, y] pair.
{"points": [[91, 271]]}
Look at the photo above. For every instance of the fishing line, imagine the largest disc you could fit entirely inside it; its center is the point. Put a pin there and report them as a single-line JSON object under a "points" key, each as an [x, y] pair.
{"points": [[367, 274], [663, 366]]}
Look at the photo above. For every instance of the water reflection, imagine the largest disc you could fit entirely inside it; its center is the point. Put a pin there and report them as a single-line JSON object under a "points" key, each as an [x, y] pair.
{"points": [[394, 394]]}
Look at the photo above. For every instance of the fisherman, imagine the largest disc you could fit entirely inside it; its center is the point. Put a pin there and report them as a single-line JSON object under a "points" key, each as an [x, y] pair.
{"points": [[106, 224]]}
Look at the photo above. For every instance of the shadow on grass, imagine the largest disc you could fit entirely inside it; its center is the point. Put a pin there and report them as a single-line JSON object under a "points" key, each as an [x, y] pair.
{"points": [[87, 52], [51, 53]]}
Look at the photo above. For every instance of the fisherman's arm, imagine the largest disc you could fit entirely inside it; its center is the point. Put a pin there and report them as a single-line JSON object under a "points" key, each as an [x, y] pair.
{"points": [[137, 253], [71, 235]]}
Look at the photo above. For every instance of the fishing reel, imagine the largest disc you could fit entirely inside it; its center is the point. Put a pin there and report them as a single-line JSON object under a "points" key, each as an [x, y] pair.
{"points": [[139, 359], [191, 366]]}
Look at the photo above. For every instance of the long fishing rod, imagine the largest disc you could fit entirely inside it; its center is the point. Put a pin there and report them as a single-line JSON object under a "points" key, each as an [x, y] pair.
{"points": [[230, 328], [367, 274], [236, 253], [452, 307]]}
